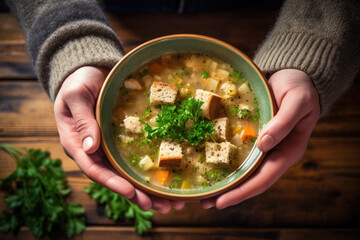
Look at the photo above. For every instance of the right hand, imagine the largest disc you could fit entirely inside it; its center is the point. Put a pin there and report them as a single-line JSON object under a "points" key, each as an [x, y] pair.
{"points": [[80, 136], [285, 136]]}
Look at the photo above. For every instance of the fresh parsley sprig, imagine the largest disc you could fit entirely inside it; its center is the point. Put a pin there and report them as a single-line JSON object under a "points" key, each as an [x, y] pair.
{"points": [[173, 119], [118, 208], [36, 193]]}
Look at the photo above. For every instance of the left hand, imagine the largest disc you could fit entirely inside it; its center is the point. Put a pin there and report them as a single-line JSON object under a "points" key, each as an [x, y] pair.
{"points": [[80, 136], [286, 135]]}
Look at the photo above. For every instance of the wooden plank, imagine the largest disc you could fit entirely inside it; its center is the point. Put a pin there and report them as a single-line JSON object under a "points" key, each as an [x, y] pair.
{"points": [[14, 60], [320, 191], [25, 110], [344, 116], [244, 30], [186, 233]]}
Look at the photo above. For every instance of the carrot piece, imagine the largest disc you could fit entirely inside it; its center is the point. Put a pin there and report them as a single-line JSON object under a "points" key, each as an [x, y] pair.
{"points": [[155, 68], [168, 62], [162, 176], [120, 112], [248, 133]]}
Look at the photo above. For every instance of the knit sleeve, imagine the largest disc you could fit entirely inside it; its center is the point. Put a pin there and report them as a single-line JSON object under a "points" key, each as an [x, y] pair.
{"points": [[62, 36], [319, 37]]}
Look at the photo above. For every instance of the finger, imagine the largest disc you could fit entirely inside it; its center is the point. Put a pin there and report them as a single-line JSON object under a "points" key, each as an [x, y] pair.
{"points": [[160, 204], [277, 162], [178, 205], [291, 111], [93, 165], [208, 203], [79, 93], [82, 112], [142, 200], [95, 168]]}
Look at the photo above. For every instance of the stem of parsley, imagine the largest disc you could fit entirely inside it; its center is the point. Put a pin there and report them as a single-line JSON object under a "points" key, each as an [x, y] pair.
{"points": [[117, 207], [36, 193]]}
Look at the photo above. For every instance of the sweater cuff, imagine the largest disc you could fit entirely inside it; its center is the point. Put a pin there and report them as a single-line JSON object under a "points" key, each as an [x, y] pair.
{"points": [[73, 46], [304, 52], [89, 50]]}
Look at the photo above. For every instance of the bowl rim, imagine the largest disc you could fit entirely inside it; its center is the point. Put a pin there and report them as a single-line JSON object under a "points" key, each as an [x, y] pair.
{"points": [[175, 196]]}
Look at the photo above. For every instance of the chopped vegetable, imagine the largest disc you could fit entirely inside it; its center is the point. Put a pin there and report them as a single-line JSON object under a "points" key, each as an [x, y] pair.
{"points": [[155, 68], [248, 133], [162, 176], [168, 62], [36, 195], [185, 184], [146, 163], [120, 112], [117, 207]]}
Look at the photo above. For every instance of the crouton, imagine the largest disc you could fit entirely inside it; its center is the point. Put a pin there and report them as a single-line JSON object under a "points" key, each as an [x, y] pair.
{"points": [[133, 125], [219, 152], [162, 93], [132, 84], [170, 154], [221, 128], [212, 106]]}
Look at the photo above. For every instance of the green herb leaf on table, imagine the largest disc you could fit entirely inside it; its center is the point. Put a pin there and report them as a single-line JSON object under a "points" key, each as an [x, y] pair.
{"points": [[36, 193], [117, 207]]}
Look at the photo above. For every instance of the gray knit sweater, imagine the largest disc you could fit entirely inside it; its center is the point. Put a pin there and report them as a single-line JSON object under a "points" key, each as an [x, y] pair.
{"points": [[319, 37]]}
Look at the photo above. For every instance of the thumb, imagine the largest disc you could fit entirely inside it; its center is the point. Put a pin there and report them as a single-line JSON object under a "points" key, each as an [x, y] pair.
{"points": [[82, 111], [78, 93], [294, 94]]}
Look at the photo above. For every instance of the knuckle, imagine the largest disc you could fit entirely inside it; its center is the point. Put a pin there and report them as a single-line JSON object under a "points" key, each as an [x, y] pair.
{"points": [[81, 124]]}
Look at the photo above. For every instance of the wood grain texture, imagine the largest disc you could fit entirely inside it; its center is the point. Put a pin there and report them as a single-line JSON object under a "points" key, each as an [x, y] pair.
{"points": [[25, 110], [317, 198], [127, 233], [14, 61]]}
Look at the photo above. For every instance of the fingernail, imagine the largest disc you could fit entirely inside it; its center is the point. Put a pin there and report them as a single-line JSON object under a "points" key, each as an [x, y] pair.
{"points": [[209, 205], [87, 143], [266, 143]]}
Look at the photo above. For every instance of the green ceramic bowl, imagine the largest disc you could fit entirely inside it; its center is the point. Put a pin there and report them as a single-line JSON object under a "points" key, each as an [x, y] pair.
{"points": [[174, 44]]}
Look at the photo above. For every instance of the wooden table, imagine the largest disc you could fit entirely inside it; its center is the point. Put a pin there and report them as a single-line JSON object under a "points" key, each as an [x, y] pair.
{"points": [[318, 198]]}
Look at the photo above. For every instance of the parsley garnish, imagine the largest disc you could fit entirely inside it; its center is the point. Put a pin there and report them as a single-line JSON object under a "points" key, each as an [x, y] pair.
{"points": [[171, 123], [245, 112], [205, 74], [235, 111], [176, 183], [146, 114], [237, 76], [36, 195], [135, 159], [256, 115], [118, 208]]}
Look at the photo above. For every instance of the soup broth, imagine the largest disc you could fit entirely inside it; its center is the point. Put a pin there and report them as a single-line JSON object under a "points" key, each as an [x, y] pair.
{"points": [[185, 121]]}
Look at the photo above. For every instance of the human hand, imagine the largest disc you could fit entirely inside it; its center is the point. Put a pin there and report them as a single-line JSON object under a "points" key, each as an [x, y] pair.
{"points": [[80, 136], [286, 135]]}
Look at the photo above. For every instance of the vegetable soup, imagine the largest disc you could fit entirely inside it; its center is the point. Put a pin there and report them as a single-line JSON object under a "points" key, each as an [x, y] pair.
{"points": [[185, 121]]}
